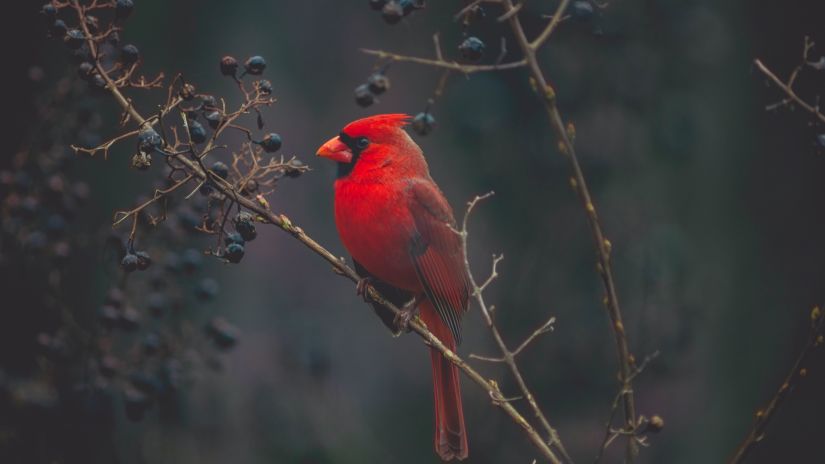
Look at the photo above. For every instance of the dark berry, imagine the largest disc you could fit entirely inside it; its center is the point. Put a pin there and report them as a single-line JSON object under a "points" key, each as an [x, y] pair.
{"points": [[85, 70], [472, 48], [58, 28], [82, 54], [129, 54], [233, 237], [197, 132], [363, 96], [234, 252], [97, 82], [378, 83], [245, 226], [123, 8], [220, 169], [229, 66], [213, 118], [392, 12], [144, 260], [209, 101], [49, 12], [74, 39], [149, 140], [255, 65], [224, 334], [207, 289], [581, 10], [377, 4], [423, 123], [129, 263], [295, 168], [264, 86], [271, 142]]}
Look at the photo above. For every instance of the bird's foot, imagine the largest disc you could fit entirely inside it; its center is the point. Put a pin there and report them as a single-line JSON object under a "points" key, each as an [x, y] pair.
{"points": [[361, 287], [406, 314]]}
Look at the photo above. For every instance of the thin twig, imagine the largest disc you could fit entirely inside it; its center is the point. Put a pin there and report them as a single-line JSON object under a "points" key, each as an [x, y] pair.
{"points": [[453, 65], [507, 356], [610, 433], [798, 372], [788, 90], [548, 98]]}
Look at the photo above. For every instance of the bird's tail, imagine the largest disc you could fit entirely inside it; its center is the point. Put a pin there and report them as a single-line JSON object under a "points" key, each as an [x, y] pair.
{"points": [[450, 433]]}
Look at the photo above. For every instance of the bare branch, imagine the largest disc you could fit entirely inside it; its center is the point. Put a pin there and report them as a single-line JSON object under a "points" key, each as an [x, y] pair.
{"points": [[610, 433], [548, 98], [507, 356], [104, 147], [545, 328], [799, 370], [451, 65], [788, 90]]}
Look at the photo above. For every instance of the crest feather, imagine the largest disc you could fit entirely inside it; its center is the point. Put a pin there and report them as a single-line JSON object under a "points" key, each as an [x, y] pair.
{"points": [[378, 122]]}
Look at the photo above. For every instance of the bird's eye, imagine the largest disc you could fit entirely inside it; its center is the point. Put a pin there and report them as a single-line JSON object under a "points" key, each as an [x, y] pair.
{"points": [[362, 142]]}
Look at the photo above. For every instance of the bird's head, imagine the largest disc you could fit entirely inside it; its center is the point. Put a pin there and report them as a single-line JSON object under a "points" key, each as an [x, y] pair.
{"points": [[369, 142]]}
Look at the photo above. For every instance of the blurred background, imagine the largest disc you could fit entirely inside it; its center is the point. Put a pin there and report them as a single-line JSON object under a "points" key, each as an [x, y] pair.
{"points": [[712, 203]]}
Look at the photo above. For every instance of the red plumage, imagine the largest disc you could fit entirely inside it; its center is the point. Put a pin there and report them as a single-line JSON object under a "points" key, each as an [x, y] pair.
{"points": [[400, 230]]}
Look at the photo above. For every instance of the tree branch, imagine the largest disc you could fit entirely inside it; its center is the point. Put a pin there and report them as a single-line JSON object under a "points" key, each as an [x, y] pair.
{"points": [[508, 356], [440, 63], [787, 88], [798, 372], [602, 245]]}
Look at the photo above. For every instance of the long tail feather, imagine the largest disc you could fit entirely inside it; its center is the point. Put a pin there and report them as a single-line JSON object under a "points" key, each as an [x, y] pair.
{"points": [[450, 432]]}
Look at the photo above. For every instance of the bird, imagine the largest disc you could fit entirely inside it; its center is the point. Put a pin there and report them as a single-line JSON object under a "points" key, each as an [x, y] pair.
{"points": [[401, 234]]}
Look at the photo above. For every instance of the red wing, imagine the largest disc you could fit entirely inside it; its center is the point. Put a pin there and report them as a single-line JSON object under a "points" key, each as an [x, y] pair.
{"points": [[437, 254]]}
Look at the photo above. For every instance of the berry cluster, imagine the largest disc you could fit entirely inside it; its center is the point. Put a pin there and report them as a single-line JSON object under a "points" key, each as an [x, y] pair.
{"points": [[377, 83], [96, 40], [137, 342]]}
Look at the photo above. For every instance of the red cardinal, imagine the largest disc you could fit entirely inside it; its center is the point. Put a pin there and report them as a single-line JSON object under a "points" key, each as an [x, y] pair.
{"points": [[400, 231]]}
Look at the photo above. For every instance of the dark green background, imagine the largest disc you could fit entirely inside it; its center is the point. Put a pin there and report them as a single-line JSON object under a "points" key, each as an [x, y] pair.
{"points": [[713, 206]]}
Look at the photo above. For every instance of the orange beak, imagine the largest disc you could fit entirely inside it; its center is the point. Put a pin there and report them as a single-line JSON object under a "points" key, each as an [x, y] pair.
{"points": [[335, 150]]}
